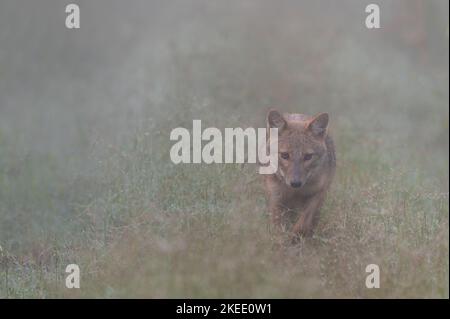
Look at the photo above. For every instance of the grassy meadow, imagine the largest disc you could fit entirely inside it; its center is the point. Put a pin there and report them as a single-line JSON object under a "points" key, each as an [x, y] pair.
{"points": [[86, 177]]}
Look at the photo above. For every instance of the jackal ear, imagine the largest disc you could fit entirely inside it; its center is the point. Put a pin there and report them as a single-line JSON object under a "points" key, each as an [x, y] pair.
{"points": [[318, 125], [275, 120]]}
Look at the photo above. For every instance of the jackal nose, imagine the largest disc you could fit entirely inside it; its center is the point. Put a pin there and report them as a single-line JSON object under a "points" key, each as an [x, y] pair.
{"points": [[296, 184]]}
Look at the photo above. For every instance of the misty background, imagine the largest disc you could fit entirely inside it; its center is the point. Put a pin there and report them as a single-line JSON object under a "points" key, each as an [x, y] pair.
{"points": [[133, 61]]}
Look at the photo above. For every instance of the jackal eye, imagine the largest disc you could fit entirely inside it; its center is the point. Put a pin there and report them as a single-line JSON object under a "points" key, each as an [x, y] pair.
{"points": [[307, 157], [284, 155]]}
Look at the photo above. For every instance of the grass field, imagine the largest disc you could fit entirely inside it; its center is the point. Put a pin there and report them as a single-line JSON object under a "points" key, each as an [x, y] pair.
{"points": [[86, 177]]}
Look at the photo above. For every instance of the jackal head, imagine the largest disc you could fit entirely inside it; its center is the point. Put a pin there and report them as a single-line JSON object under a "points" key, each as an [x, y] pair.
{"points": [[301, 145]]}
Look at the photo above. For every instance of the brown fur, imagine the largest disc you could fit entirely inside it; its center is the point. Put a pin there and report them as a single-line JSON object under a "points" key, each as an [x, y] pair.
{"points": [[301, 137]]}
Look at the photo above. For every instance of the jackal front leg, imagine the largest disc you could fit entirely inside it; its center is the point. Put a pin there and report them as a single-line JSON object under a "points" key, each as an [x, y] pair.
{"points": [[275, 213], [308, 217]]}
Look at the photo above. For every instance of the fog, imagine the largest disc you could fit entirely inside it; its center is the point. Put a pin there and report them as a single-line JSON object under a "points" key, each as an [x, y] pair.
{"points": [[131, 58], [85, 118]]}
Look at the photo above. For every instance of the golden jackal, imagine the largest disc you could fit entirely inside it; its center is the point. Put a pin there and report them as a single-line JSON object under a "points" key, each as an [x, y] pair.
{"points": [[306, 168]]}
